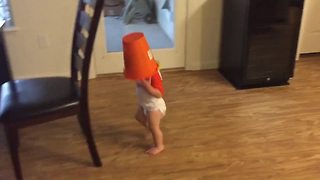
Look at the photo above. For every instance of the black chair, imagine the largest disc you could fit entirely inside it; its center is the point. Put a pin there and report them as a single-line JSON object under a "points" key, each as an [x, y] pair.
{"points": [[33, 101], [5, 73]]}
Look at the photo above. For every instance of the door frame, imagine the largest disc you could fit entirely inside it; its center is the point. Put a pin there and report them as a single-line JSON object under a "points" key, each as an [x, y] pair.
{"points": [[167, 57]]}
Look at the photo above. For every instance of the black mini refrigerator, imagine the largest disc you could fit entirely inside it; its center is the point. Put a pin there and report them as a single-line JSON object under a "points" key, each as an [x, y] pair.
{"points": [[259, 41]]}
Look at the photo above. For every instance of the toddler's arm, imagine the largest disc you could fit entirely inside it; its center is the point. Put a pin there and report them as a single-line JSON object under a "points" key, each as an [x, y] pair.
{"points": [[151, 90]]}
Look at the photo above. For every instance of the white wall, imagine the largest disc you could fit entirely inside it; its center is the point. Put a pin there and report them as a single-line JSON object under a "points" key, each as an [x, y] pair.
{"points": [[54, 20], [166, 18], [310, 28], [203, 34], [41, 46]]}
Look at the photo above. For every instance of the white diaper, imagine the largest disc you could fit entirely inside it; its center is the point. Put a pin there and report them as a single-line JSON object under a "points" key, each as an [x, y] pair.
{"points": [[149, 102]]}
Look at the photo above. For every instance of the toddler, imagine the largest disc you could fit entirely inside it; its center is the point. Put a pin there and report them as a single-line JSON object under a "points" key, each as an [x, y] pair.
{"points": [[152, 108]]}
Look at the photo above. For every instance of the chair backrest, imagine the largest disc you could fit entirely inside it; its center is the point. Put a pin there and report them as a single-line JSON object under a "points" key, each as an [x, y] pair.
{"points": [[5, 71], [87, 20]]}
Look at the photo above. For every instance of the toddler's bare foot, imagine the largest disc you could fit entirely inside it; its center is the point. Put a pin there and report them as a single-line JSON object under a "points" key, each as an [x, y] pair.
{"points": [[155, 150]]}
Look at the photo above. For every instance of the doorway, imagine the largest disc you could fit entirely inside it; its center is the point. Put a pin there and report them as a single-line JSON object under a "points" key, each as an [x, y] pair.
{"points": [[162, 22], [122, 17]]}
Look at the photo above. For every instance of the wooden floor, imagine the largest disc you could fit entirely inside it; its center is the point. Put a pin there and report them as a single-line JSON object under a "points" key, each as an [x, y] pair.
{"points": [[212, 131]]}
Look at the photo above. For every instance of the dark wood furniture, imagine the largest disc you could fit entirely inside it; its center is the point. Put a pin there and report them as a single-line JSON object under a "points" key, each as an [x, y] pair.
{"points": [[33, 101], [5, 73], [259, 41]]}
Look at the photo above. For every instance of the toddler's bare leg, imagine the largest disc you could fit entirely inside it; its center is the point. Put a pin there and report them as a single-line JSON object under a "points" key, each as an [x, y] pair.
{"points": [[140, 117], [154, 126]]}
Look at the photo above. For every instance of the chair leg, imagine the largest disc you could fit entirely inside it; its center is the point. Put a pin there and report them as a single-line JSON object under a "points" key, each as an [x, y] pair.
{"points": [[13, 143], [84, 121], [81, 125], [16, 135]]}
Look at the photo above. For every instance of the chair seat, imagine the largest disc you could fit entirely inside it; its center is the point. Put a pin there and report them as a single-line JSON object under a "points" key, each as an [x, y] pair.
{"points": [[23, 99]]}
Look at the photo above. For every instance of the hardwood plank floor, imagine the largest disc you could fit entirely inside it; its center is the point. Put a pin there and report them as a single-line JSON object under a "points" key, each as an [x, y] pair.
{"points": [[212, 131]]}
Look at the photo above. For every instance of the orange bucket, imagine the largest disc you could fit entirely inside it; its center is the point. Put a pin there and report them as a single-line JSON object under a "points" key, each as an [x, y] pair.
{"points": [[139, 62]]}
